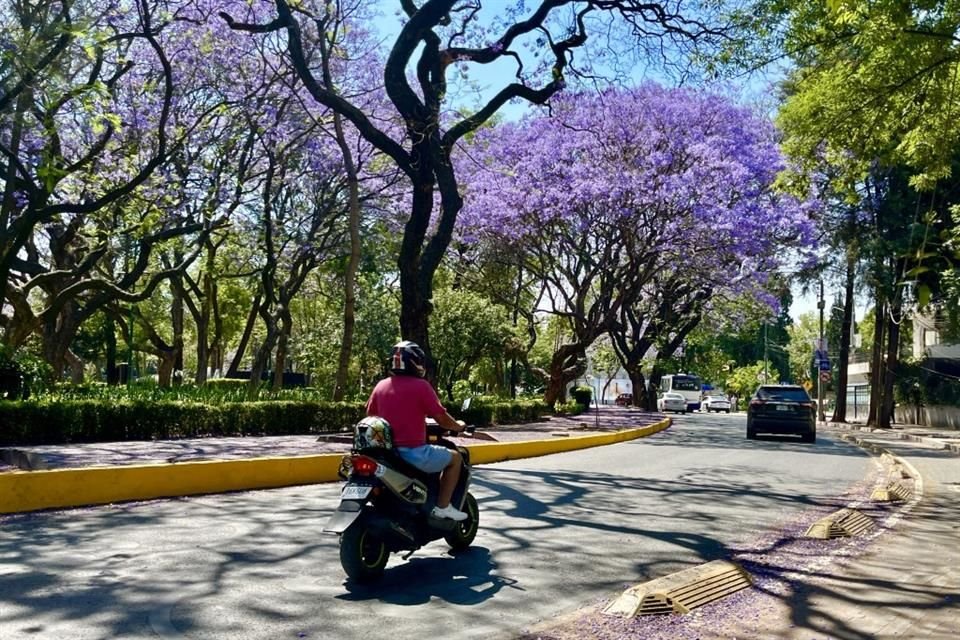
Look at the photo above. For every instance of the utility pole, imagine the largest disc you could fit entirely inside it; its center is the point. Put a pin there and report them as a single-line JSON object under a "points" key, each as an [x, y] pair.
{"points": [[820, 305], [765, 351]]}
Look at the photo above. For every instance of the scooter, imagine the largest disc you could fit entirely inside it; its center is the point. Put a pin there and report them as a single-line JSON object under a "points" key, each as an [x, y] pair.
{"points": [[385, 504]]}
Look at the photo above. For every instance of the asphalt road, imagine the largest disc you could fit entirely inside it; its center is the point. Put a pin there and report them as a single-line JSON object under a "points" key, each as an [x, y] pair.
{"points": [[557, 532]]}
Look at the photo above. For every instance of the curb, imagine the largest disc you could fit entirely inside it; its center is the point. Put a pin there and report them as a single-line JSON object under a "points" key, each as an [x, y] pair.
{"points": [[878, 449], [23, 491]]}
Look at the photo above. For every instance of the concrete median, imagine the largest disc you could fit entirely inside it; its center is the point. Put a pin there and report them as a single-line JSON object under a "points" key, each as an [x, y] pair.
{"points": [[23, 491]]}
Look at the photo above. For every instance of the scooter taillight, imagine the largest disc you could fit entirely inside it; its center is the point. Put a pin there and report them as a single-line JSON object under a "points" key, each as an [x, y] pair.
{"points": [[364, 465]]}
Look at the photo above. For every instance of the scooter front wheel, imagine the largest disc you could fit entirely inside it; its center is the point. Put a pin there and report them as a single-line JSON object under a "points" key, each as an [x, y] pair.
{"points": [[462, 536], [363, 555]]}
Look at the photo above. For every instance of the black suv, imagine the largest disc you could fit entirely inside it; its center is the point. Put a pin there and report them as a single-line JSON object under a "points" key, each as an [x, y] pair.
{"points": [[782, 408]]}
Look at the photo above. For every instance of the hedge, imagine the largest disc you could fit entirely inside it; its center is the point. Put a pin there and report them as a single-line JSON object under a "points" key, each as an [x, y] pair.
{"points": [[33, 423], [64, 421]]}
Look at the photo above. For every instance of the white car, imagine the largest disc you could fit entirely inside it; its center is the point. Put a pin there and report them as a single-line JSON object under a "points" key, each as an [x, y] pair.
{"points": [[672, 402], [715, 403]]}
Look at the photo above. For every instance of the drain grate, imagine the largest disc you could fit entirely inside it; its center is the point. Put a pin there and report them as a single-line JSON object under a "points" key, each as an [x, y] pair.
{"points": [[844, 523], [682, 591]]}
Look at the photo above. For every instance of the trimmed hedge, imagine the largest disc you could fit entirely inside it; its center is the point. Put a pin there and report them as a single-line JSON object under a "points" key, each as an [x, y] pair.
{"points": [[32, 423], [63, 421]]}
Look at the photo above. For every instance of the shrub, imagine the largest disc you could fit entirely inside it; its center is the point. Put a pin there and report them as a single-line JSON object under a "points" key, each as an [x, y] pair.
{"points": [[582, 395], [100, 413]]}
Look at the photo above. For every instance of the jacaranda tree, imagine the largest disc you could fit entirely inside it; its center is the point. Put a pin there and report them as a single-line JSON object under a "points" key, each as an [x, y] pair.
{"points": [[436, 42], [620, 197]]}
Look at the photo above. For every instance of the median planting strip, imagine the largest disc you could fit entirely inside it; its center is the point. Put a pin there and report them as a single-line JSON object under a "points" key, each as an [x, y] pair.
{"points": [[22, 491]]}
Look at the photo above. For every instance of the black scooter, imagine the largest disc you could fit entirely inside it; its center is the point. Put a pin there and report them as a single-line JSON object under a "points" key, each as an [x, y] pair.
{"points": [[385, 504]]}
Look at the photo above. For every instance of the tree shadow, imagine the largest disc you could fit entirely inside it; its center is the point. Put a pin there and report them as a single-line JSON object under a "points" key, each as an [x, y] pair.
{"points": [[466, 578]]}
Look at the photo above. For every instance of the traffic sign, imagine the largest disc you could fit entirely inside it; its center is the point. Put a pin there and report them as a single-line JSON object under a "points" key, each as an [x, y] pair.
{"points": [[825, 375]]}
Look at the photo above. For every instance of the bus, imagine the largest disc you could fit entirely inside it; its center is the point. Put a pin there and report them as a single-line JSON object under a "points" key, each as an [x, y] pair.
{"points": [[687, 385]]}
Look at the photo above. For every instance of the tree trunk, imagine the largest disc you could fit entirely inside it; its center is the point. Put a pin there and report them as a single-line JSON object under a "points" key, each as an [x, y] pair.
{"points": [[840, 410], [655, 374], [413, 302], [166, 365], [876, 360], [8, 202], [567, 364], [260, 362], [245, 337], [885, 418], [76, 367], [176, 309], [350, 276], [639, 384], [203, 353], [262, 358], [110, 338], [58, 334], [283, 340]]}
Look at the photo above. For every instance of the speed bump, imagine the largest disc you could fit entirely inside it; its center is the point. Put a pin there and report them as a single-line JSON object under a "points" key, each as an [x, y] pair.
{"points": [[891, 492], [682, 591], [841, 524]]}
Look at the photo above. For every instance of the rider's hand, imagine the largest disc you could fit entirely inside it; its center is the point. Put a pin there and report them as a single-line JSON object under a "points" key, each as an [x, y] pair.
{"points": [[463, 425]]}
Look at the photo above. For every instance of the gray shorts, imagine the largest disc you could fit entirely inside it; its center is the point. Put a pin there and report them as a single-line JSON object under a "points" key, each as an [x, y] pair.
{"points": [[431, 458]]}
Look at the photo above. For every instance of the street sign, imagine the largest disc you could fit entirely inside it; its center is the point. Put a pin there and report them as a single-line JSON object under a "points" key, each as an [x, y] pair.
{"points": [[825, 375], [807, 385], [821, 360]]}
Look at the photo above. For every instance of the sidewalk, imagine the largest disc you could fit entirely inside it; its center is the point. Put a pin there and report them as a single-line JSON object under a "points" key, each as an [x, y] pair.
{"points": [[905, 585], [899, 582]]}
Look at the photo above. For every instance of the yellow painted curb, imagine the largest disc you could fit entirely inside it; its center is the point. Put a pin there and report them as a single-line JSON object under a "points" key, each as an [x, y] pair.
{"points": [[499, 451], [22, 491]]}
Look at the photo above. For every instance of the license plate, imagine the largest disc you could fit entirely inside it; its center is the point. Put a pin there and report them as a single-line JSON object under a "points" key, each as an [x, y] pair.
{"points": [[355, 492], [782, 407]]}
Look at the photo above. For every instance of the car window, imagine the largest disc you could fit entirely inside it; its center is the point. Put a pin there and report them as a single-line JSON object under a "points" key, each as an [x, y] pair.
{"points": [[793, 394]]}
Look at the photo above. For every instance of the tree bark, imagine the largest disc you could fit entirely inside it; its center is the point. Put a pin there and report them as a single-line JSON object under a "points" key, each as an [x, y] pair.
{"points": [[567, 364], [876, 359], [840, 410], [886, 416]]}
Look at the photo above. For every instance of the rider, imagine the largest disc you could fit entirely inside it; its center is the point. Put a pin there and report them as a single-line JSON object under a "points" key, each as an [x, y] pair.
{"points": [[405, 400]]}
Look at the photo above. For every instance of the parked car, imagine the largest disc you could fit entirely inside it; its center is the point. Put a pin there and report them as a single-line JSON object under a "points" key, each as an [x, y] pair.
{"points": [[624, 400], [671, 401], [715, 402], [782, 409]]}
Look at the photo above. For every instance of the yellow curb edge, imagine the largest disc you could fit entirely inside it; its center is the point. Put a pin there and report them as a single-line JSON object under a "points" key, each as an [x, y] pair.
{"points": [[22, 491]]}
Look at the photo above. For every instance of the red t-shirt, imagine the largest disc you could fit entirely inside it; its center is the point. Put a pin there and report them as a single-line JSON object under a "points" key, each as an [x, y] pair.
{"points": [[405, 402]]}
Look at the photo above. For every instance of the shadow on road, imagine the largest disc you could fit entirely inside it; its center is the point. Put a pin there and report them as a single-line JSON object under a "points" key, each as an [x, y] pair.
{"points": [[467, 578]]}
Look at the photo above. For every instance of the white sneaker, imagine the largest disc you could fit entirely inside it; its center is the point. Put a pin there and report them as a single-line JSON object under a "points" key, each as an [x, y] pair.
{"points": [[449, 512]]}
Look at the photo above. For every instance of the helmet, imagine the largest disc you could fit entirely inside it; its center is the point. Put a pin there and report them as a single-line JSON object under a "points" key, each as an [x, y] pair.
{"points": [[408, 359]]}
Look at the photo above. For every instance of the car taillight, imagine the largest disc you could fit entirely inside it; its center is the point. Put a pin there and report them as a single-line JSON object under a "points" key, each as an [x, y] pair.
{"points": [[757, 403], [364, 466], [807, 405]]}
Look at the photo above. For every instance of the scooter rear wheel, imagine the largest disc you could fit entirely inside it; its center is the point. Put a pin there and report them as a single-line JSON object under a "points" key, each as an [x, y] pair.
{"points": [[363, 556], [462, 536]]}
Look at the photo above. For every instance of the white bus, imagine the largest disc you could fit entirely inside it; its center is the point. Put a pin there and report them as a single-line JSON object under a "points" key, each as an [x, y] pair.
{"points": [[687, 385]]}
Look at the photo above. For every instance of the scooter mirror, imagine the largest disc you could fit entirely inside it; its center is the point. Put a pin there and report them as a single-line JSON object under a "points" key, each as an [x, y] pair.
{"points": [[466, 404]]}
